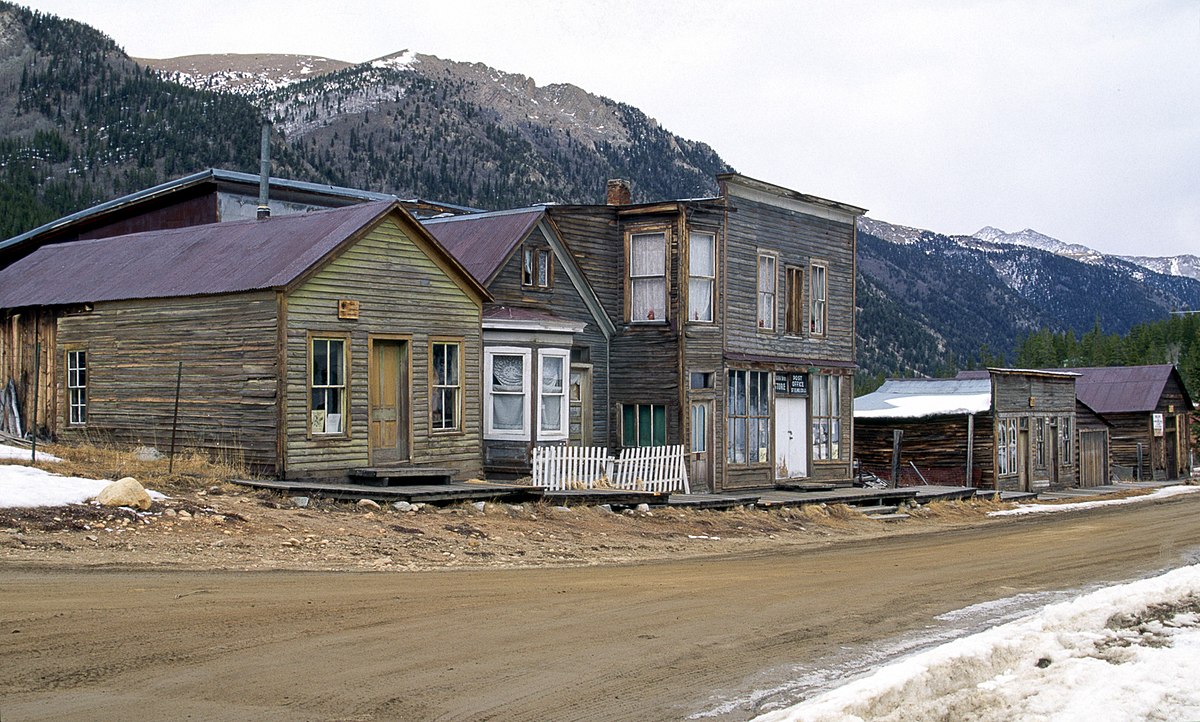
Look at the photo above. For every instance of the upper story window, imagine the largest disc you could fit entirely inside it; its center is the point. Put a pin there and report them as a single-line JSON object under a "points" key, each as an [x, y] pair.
{"points": [[327, 386], [445, 393], [818, 294], [537, 269], [648, 277], [766, 290], [702, 275], [77, 387], [794, 301]]}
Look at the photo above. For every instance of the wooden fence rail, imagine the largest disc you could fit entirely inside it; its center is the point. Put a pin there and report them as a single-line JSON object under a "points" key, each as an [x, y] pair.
{"points": [[657, 468]]}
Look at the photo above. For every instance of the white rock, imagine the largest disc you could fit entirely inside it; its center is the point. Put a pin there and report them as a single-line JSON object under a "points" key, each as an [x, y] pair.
{"points": [[300, 501], [368, 504], [124, 492], [479, 506], [402, 506], [643, 508]]}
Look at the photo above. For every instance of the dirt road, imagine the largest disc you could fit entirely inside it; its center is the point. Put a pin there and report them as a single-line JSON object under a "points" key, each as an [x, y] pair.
{"points": [[638, 642]]}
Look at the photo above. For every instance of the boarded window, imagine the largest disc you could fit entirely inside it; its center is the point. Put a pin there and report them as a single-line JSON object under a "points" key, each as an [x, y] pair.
{"points": [[794, 298], [748, 422], [77, 387], [827, 417], [818, 278], [445, 400], [327, 385], [766, 290], [648, 277], [643, 425], [702, 275]]}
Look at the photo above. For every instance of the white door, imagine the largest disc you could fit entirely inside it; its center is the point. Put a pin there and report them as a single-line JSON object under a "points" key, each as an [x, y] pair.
{"points": [[791, 437]]}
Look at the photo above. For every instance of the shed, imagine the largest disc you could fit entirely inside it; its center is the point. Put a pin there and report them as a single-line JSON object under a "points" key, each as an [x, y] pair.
{"points": [[305, 345]]}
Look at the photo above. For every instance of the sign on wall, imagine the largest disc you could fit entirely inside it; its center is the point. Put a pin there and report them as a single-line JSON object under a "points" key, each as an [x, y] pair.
{"points": [[1159, 424]]}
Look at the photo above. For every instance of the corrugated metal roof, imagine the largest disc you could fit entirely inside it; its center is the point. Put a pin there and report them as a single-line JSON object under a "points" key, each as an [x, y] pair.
{"points": [[920, 398], [200, 260], [1122, 389], [483, 241]]}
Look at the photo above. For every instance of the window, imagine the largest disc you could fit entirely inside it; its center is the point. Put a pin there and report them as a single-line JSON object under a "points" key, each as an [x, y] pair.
{"points": [[699, 428], [445, 394], [643, 425], [827, 417], [701, 380], [506, 393], [818, 277], [537, 270], [1006, 447], [327, 383], [702, 275], [1066, 440], [77, 387], [766, 290], [794, 314], [749, 417], [552, 394], [648, 277], [1039, 442]]}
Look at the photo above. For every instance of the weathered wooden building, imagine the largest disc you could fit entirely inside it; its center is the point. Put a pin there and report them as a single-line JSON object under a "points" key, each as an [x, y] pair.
{"points": [[546, 336], [735, 327], [1012, 429], [303, 345]]}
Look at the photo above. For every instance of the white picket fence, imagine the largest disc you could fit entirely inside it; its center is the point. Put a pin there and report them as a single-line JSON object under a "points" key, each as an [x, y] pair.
{"points": [[652, 468]]}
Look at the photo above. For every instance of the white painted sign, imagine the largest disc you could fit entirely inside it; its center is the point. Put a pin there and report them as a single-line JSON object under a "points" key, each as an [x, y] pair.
{"points": [[1157, 421]]}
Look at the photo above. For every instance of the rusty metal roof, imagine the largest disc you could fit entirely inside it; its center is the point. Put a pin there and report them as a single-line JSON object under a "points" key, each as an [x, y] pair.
{"points": [[200, 260], [483, 241], [1123, 389]]}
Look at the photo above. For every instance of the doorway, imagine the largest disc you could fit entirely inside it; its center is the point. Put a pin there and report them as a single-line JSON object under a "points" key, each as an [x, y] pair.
{"points": [[388, 377], [700, 451], [579, 417], [791, 437]]}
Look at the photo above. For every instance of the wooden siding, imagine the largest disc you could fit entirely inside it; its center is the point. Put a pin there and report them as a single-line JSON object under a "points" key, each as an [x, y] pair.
{"points": [[227, 344], [20, 334], [401, 291], [937, 445]]}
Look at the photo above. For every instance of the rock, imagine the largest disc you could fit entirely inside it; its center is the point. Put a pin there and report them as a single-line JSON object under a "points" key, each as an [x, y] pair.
{"points": [[606, 507], [147, 453], [300, 501], [643, 508], [479, 506], [418, 507], [368, 504], [402, 506], [562, 508], [517, 508], [169, 512], [124, 492], [215, 491], [92, 537], [185, 514]]}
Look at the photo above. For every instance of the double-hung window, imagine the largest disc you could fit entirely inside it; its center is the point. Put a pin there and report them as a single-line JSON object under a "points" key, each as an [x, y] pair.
{"points": [[648, 277], [1066, 440], [766, 290], [643, 425], [445, 393], [537, 269], [327, 384], [506, 393], [794, 298], [818, 276], [702, 275], [748, 417], [553, 365], [77, 387], [827, 417]]}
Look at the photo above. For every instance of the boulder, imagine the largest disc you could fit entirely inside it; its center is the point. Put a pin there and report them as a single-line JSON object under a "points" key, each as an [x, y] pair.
{"points": [[124, 492], [368, 504]]}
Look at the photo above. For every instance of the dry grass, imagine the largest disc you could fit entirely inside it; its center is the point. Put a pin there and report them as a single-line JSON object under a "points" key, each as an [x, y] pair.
{"points": [[191, 469]]}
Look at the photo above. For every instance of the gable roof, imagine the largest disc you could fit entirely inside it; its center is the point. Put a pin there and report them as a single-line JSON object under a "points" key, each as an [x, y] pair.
{"points": [[1125, 389], [482, 242], [199, 260], [920, 398]]}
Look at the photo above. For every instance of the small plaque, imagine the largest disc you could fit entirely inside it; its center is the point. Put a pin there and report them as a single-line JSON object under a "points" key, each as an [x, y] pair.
{"points": [[781, 383], [798, 385], [1159, 423], [348, 309]]}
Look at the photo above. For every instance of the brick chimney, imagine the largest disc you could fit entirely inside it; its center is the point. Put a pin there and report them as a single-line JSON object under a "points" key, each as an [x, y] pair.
{"points": [[618, 192]]}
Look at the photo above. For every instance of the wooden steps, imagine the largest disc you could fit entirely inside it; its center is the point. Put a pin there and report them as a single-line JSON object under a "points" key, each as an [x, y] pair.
{"points": [[397, 475]]}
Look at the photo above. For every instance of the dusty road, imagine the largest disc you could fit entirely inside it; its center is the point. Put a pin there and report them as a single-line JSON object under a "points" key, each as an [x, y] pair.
{"points": [[639, 642]]}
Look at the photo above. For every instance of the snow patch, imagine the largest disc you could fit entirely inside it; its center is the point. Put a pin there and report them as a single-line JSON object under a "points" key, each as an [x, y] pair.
{"points": [[1163, 493], [26, 486]]}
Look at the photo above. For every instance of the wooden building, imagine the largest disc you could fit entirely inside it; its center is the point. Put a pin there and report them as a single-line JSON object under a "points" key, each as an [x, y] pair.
{"points": [[545, 335], [734, 320], [304, 345], [1005, 429]]}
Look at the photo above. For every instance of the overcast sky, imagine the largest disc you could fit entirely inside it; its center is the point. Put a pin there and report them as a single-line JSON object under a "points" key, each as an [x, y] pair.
{"points": [[1078, 119]]}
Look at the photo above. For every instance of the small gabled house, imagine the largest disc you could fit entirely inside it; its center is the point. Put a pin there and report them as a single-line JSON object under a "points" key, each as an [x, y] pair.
{"points": [[304, 345], [545, 336], [735, 327], [1003, 429]]}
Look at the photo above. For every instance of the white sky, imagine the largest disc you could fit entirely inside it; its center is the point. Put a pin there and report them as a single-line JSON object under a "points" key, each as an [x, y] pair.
{"points": [[1078, 119]]}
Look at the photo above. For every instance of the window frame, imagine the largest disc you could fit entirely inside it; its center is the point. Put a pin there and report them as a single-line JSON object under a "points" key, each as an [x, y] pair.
{"points": [[818, 304], [741, 378], [759, 293], [637, 425], [434, 387], [72, 387], [793, 290], [631, 280], [536, 263], [1066, 441], [489, 429], [312, 338], [823, 450], [711, 280], [564, 358]]}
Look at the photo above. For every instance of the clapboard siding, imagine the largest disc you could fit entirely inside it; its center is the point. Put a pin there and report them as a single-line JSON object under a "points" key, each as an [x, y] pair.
{"points": [[401, 292], [936, 444], [593, 235], [227, 401]]}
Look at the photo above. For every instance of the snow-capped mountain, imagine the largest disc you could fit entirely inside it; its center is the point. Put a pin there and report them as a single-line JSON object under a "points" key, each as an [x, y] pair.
{"points": [[244, 74], [1033, 239]]}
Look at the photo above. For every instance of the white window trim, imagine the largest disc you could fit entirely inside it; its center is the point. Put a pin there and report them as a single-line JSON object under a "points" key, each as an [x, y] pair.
{"points": [[565, 358], [76, 411], [489, 431]]}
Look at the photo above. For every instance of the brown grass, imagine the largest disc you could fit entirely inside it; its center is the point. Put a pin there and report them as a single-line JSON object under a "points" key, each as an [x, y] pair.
{"points": [[192, 469]]}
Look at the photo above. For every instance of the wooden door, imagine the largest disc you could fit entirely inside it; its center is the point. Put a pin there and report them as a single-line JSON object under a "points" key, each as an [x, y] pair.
{"points": [[700, 460], [791, 437], [579, 420], [389, 401], [1024, 461], [1093, 458]]}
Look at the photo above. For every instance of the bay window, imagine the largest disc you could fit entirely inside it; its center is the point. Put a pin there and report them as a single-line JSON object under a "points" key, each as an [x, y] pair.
{"points": [[552, 394], [506, 393]]}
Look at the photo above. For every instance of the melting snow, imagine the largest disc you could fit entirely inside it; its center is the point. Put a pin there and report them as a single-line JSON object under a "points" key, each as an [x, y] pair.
{"points": [[1163, 493]]}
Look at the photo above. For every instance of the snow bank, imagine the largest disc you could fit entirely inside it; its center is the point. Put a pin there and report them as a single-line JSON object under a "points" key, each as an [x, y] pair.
{"points": [[15, 452], [1126, 652], [1163, 493], [25, 486]]}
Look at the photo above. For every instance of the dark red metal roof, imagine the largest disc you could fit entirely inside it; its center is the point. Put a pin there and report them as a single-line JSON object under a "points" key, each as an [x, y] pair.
{"points": [[200, 260], [1122, 389], [483, 241]]}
